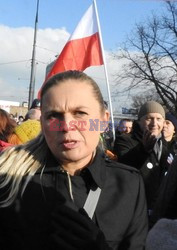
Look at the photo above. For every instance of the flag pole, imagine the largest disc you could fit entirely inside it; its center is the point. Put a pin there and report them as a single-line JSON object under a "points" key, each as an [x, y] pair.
{"points": [[105, 69], [33, 63]]}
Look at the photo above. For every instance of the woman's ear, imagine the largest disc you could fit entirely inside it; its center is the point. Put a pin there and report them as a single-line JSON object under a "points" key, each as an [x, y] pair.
{"points": [[106, 116]]}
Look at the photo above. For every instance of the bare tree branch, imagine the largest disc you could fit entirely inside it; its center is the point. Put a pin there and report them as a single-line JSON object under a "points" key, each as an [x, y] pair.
{"points": [[149, 57]]}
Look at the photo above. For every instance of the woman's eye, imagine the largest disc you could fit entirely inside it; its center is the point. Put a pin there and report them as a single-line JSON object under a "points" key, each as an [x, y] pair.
{"points": [[80, 113], [53, 116]]}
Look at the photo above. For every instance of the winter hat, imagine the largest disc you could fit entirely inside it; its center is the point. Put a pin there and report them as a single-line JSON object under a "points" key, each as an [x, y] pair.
{"points": [[172, 119], [35, 104], [28, 130], [151, 107]]}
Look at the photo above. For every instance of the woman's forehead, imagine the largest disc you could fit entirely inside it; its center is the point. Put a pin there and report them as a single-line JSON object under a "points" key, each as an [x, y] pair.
{"points": [[70, 95], [71, 89]]}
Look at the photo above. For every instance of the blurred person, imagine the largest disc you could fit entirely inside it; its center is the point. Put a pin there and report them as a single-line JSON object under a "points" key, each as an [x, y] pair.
{"points": [[27, 130], [146, 149], [7, 134], [106, 139], [33, 114], [13, 134], [20, 119], [59, 191], [107, 135], [125, 126], [170, 135], [11, 116], [170, 126], [35, 104]]}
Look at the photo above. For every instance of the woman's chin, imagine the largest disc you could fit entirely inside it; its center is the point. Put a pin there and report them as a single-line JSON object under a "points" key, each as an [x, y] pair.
{"points": [[71, 155], [74, 156]]}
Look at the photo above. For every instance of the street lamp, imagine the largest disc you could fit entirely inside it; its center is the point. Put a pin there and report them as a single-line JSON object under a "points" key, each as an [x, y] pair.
{"points": [[33, 64]]}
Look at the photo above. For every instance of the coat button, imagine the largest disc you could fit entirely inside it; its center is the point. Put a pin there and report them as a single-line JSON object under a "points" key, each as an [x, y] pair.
{"points": [[149, 165]]}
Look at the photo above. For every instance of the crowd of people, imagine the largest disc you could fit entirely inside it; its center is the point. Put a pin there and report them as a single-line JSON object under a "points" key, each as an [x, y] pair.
{"points": [[63, 187], [18, 131], [151, 147]]}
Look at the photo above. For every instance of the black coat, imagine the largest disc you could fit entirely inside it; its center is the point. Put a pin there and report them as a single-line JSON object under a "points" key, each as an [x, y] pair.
{"points": [[120, 214], [172, 146], [166, 204], [130, 150]]}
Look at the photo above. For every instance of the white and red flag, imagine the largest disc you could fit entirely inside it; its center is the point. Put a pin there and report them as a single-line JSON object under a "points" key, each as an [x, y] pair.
{"points": [[83, 48]]}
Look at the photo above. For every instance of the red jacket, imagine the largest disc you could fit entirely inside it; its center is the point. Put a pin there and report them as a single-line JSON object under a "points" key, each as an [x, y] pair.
{"points": [[4, 145]]}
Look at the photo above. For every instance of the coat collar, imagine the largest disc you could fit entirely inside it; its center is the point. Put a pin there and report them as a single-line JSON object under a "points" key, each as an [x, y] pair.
{"points": [[97, 169]]}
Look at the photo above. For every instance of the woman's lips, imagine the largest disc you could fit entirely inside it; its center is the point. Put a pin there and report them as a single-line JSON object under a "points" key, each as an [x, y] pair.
{"points": [[70, 144]]}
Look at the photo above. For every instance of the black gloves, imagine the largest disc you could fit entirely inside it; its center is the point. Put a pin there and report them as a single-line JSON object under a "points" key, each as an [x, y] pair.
{"points": [[73, 230]]}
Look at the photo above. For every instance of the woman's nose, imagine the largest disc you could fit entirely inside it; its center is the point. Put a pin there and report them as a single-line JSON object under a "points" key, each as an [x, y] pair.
{"points": [[67, 123]]}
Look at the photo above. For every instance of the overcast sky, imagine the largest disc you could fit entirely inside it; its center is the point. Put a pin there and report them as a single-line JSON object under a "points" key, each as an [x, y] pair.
{"points": [[57, 20]]}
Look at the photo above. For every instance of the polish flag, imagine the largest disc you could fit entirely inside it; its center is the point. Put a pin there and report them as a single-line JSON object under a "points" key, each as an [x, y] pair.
{"points": [[83, 48]]}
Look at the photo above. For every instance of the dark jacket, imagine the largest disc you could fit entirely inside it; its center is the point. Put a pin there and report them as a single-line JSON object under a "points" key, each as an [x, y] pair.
{"points": [[120, 212], [172, 146], [166, 204], [130, 150]]}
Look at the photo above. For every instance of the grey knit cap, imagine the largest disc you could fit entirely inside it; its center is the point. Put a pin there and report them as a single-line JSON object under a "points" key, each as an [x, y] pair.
{"points": [[151, 107]]}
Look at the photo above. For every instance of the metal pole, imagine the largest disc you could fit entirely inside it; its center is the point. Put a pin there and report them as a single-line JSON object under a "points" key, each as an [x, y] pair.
{"points": [[105, 69], [33, 63]]}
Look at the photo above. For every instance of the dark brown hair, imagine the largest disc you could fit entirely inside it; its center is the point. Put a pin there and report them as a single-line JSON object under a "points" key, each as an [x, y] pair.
{"points": [[75, 75], [7, 125]]}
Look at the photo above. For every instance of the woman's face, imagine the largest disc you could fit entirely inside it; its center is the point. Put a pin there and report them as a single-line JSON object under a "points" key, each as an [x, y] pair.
{"points": [[168, 130], [69, 111]]}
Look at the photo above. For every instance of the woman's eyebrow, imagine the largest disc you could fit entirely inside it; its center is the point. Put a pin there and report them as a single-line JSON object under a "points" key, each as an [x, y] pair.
{"points": [[53, 112]]}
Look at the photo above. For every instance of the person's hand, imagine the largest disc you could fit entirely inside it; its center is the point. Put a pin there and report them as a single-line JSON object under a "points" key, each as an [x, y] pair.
{"points": [[149, 140], [75, 231]]}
